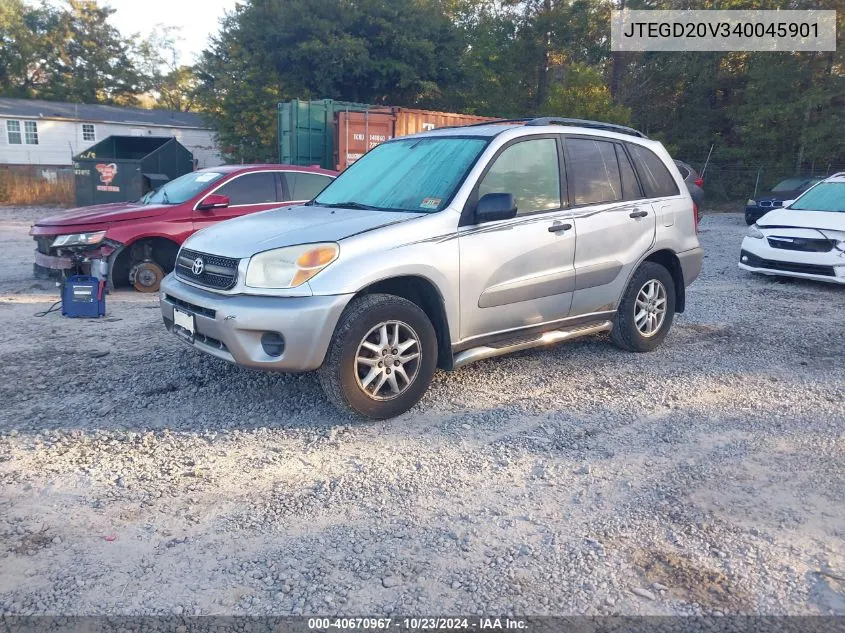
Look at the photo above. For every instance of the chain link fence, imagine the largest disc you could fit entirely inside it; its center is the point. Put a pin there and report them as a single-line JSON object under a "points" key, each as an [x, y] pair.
{"points": [[731, 184]]}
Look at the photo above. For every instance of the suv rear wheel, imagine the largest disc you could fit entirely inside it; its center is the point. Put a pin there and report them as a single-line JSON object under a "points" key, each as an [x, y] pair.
{"points": [[381, 358], [646, 311]]}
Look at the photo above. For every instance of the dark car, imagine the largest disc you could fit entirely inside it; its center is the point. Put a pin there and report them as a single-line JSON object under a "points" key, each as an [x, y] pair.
{"points": [[695, 185], [765, 201], [138, 241]]}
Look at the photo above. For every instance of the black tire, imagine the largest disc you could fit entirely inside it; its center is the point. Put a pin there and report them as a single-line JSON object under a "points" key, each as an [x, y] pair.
{"points": [[338, 375], [625, 333], [749, 220]]}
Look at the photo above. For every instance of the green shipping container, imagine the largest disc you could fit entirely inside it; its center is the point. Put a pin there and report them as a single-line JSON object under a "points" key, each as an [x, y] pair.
{"points": [[306, 130]]}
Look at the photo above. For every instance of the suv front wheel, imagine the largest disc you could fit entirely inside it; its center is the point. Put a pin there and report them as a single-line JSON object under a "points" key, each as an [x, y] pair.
{"points": [[646, 311], [381, 358]]}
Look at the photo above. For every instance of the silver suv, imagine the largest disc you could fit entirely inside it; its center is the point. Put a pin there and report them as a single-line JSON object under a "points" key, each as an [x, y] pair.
{"points": [[443, 248]]}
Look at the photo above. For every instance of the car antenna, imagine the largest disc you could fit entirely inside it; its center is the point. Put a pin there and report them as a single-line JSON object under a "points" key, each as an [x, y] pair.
{"points": [[707, 162]]}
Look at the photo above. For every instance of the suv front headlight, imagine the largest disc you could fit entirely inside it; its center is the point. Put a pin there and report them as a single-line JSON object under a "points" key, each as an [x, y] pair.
{"points": [[289, 267], [751, 203], [755, 232]]}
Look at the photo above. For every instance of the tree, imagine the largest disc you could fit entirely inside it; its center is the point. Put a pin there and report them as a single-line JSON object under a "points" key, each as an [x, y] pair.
{"points": [[27, 47], [397, 52], [584, 94], [91, 62], [67, 52], [168, 83]]}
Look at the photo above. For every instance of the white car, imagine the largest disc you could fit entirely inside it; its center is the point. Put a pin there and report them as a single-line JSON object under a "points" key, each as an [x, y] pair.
{"points": [[805, 238]]}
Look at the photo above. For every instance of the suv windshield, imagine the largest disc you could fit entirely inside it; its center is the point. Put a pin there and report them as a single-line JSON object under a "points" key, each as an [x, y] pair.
{"points": [[415, 174], [828, 196], [183, 188]]}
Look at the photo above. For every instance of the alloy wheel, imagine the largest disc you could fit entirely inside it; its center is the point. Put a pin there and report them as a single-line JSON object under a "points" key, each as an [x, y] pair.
{"points": [[387, 360], [650, 308]]}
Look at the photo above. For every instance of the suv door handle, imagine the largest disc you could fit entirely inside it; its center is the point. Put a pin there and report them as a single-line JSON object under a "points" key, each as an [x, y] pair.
{"points": [[638, 214], [557, 227]]}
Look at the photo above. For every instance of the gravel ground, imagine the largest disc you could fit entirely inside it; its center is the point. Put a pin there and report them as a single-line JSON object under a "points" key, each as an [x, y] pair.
{"points": [[139, 476]]}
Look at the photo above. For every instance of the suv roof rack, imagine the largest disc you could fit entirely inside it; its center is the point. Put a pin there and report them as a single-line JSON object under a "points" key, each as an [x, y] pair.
{"points": [[550, 120], [596, 125], [836, 175]]}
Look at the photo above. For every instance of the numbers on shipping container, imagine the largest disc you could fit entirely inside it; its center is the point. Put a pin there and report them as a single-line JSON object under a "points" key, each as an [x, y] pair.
{"points": [[374, 138]]}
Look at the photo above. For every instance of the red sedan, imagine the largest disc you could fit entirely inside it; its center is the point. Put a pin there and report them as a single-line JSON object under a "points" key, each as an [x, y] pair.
{"points": [[139, 240]]}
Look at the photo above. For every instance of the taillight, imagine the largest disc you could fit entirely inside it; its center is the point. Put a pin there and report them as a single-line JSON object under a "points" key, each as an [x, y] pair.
{"points": [[695, 216], [699, 182]]}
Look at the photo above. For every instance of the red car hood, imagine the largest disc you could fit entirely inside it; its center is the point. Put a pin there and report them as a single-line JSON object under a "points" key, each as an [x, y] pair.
{"points": [[104, 213]]}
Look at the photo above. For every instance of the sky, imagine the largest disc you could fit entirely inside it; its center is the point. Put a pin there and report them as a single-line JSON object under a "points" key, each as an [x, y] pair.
{"points": [[195, 19]]}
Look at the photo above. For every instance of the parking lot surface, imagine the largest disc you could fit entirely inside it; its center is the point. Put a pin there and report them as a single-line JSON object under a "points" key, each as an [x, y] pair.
{"points": [[139, 476]]}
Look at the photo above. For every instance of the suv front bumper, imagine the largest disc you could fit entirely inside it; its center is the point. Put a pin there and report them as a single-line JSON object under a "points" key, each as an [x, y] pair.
{"points": [[231, 326]]}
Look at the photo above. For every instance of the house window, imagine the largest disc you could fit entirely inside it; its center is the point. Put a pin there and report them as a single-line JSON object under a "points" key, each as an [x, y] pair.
{"points": [[88, 132], [30, 129], [13, 131]]}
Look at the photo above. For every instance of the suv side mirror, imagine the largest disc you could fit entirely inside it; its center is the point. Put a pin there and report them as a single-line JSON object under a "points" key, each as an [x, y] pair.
{"points": [[213, 201], [495, 206]]}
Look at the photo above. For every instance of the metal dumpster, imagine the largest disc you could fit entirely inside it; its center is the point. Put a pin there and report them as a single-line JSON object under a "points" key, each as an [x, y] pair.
{"points": [[121, 168]]}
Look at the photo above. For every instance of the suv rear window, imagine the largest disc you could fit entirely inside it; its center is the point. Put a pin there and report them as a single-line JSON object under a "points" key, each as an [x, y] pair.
{"points": [[630, 186], [593, 171], [655, 178]]}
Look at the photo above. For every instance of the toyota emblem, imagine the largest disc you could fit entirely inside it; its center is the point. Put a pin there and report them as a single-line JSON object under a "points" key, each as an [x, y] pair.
{"points": [[198, 266]]}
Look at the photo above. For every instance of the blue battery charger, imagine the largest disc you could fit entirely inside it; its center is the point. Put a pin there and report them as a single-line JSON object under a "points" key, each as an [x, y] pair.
{"points": [[83, 297]]}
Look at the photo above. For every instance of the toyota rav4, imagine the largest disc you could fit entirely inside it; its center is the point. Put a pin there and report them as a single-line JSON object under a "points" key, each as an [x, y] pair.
{"points": [[444, 248]]}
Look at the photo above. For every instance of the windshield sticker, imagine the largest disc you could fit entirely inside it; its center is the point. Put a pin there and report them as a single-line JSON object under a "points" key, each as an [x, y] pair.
{"points": [[430, 203], [205, 177]]}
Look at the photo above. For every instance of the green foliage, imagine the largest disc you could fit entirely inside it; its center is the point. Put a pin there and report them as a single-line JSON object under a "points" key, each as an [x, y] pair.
{"points": [[401, 52], [70, 52], [67, 52], [583, 94]]}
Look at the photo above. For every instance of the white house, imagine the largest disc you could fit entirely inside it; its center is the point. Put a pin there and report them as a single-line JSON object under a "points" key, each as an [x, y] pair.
{"points": [[51, 133]]}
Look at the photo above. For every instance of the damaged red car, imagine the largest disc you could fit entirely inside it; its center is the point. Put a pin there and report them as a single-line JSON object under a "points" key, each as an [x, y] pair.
{"points": [[135, 243]]}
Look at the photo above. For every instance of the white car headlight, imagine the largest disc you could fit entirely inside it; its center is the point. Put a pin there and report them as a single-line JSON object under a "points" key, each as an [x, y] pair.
{"points": [[79, 239], [751, 203], [289, 267], [754, 232]]}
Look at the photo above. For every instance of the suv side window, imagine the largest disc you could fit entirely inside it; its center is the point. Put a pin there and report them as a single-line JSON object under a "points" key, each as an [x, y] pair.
{"points": [[592, 171], [630, 186], [655, 178], [304, 186], [530, 171], [256, 188]]}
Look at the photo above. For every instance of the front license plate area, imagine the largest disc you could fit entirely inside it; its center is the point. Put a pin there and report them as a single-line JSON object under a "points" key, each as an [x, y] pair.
{"points": [[183, 324]]}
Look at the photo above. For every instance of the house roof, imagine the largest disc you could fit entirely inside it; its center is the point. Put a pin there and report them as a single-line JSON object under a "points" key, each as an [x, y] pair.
{"points": [[38, 109]]}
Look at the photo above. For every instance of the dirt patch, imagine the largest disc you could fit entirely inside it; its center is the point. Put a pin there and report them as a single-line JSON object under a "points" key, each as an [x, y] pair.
{"points": [[692, 581], [32, 542]]}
